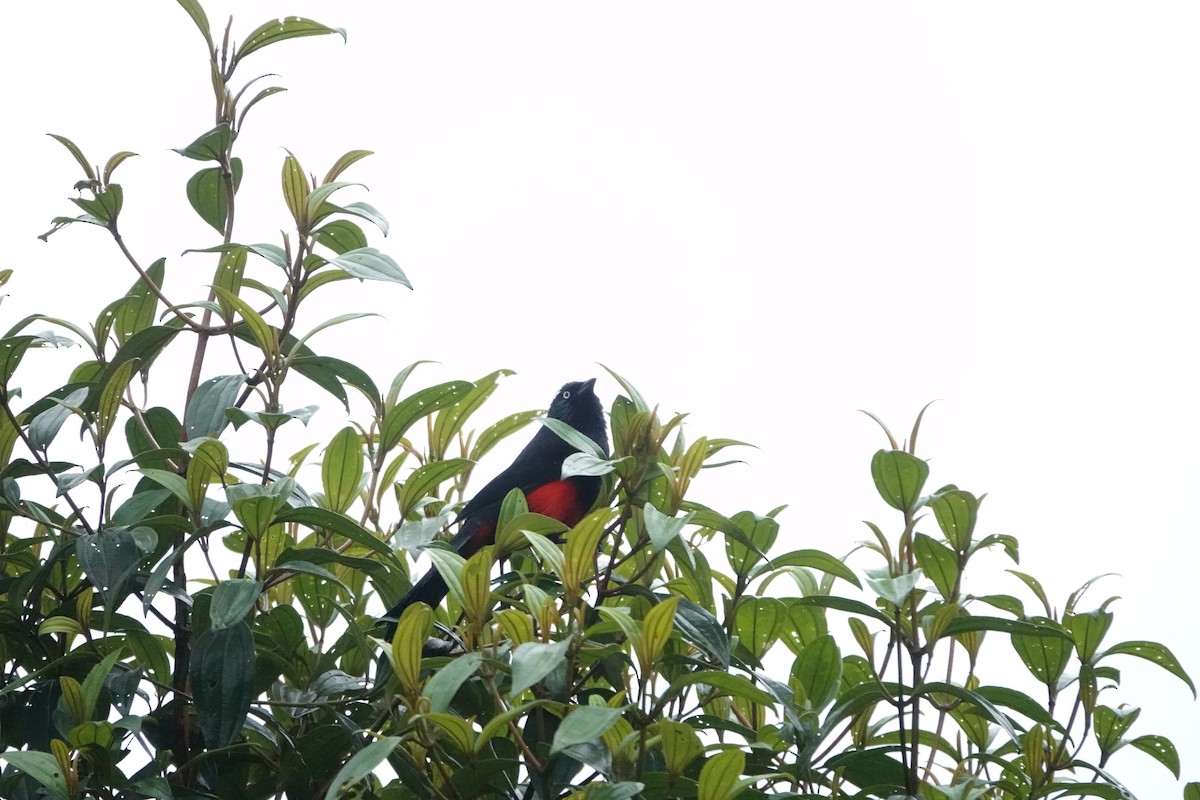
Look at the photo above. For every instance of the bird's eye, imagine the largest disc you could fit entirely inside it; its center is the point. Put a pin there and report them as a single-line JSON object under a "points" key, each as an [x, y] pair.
{"points": [[566, 395]]}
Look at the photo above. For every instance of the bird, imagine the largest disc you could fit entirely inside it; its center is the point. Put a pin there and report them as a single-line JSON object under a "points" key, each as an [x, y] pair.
{"points": [[537, 472]]}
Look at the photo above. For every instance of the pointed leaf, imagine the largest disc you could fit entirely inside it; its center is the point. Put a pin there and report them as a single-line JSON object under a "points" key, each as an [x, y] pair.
{"points": [[196, 12], [212, 145], [401, 417], [277, 30], [223, 682], [584, 724], [899, 477], [533, 661], [76, 153], [342, 469], [425, 478], [1156, 653], [232, 600], [265, 336], [361, 764], [367, 263], [205, 415]]}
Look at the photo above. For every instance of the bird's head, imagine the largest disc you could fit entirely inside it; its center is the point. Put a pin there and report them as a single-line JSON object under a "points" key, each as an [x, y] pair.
{"points": [[577, 405]]}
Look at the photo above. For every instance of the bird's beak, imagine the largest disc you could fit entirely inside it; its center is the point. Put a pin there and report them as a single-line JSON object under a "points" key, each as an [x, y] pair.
{"points": [[588, 384]]}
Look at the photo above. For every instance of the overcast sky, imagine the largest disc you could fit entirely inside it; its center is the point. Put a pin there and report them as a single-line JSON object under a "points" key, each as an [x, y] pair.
{"points": [[768, 215]]}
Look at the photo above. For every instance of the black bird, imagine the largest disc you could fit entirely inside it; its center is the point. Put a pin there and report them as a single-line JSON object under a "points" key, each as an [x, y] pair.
{"points": [[536, 471]]}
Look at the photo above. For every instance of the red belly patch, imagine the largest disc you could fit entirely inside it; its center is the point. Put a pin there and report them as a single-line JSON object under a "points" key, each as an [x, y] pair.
{"points": [[559, 499]]}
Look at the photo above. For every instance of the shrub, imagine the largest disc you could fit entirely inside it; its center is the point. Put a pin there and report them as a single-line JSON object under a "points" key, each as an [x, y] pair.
{"points": [[189, 613]]}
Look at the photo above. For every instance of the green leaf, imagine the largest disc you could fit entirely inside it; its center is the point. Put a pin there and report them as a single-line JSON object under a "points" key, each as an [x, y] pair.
{"points": [[367, 263], [230, 272], [1161, 749], [425, 478], [223, 682], [12, 350], [277, 30], [818, 672], [196, 12], [270, 421], [142, 347], [934, 687], [657, 626], [172, 482], [724, 682], [720, 773], [757, 622], [445, 682], [588, 465], [46, 425], [450, 420], [899, 477], [955, 512], [845, 604], [232, 600], [1087, 631], [212, 145], [208, 193], [344, 163], [94, 682], [326, 372], [296, 190], [1036, 587], [812, 559], [255, 505], [148, 651], [1045, 656], [361, 764], [341, 236], [493, 434], [663, 529], [265, 336], [76, 153], [411, 630], [639, 402], [573, 437], [1153, 652], [1017, 701], [136, 311], [938, 562], [400, 418], [108, 558], [42, 767], [893, 589], [875, 768], [533, 661], [680, 744], [262, 95], [113, 162], [1192, 791], [342, 469], [110, 400], [360, 210], [210, 459], [325, 520], [745, 550], [582, 547], [702, 629], [205, 415], [584, 724], [318, 196]]}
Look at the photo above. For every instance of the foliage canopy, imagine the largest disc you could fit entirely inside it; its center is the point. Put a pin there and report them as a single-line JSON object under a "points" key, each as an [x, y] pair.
{"points": [[185, 613]]}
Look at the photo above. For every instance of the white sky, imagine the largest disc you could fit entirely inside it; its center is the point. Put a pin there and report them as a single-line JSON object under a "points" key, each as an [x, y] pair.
{"points": [[768, 215]]}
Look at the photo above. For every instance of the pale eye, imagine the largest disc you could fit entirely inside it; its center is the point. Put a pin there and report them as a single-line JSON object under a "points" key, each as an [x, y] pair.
{"points": [[566, 395]]}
